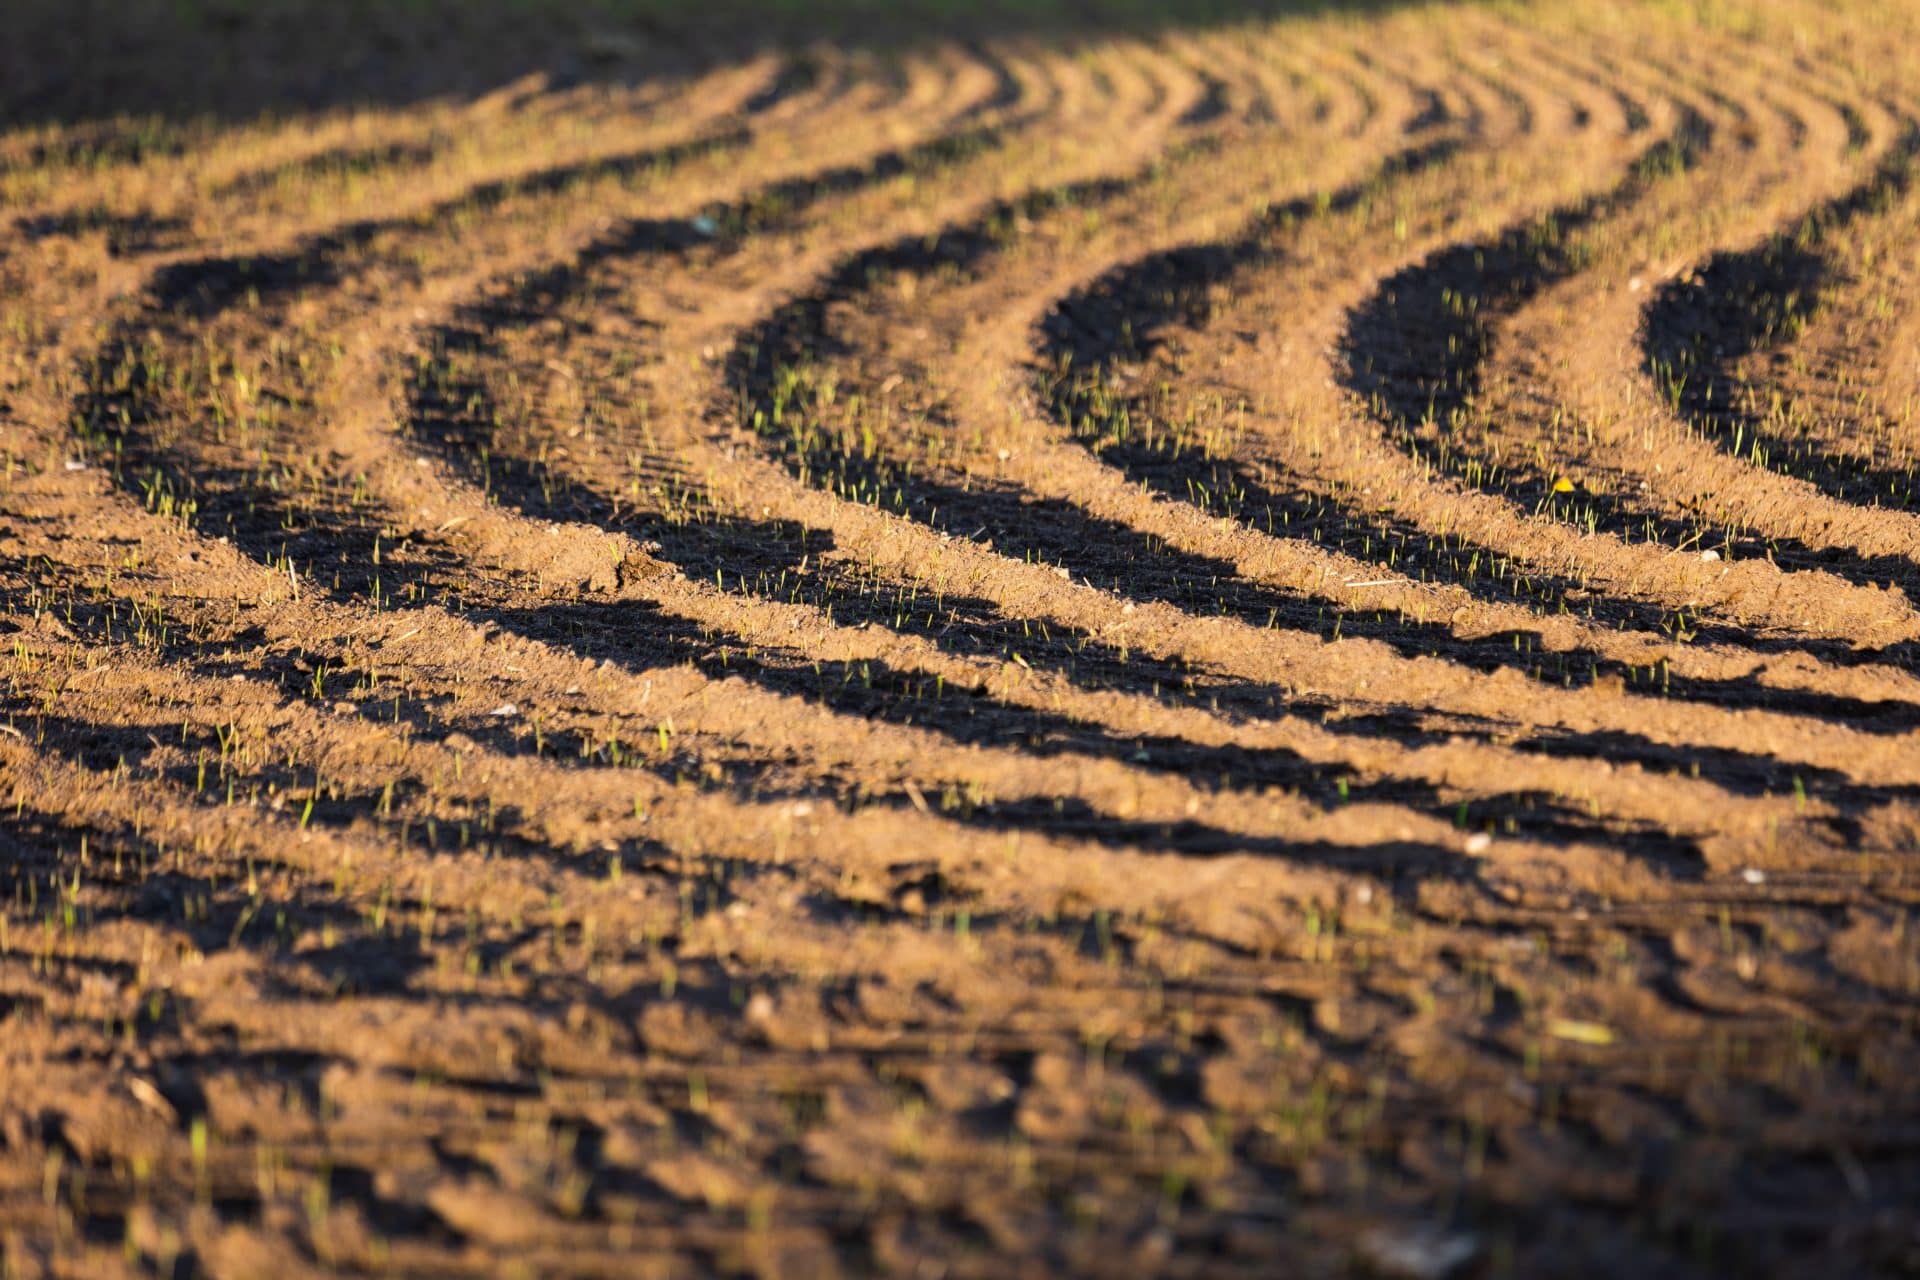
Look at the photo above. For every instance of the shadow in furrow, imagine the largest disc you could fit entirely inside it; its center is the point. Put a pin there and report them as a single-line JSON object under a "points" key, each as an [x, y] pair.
{"points": [[271, 511], [1128, 314], [1418, 348], [1212, 104], [127, 234], [768, 373], [334, 164], [133, 878], [723, 227], [797, 75], [203, 288], [1007, 89], [1700, 329], [774, 560], [321, 531], [608, 629]]}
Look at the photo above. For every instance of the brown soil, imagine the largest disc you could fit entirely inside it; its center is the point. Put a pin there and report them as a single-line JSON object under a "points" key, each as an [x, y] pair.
{"points": [[1280, 647]]}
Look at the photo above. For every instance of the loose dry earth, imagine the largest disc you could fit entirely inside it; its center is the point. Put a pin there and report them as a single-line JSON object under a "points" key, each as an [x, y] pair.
{"points": [[1281, 647]]}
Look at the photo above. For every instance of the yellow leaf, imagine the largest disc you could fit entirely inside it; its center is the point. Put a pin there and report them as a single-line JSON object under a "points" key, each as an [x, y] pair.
{"points": [[1579, 1032], [1563, 485]]}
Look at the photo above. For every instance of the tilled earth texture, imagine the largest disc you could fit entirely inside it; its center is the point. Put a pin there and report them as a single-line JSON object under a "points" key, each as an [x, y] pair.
{"points": [[945, 642]]}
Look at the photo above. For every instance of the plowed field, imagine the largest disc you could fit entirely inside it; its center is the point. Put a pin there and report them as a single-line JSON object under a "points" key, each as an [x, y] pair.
{"points": [[1280, 644]]}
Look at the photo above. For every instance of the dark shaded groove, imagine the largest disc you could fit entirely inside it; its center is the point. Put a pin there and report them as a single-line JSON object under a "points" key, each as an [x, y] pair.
{"points": [[723, 227], [36, 847], [1007, 89], [763, 560], [1118, 557], [99, 143], [1699, 329], [1211, 106], [1129, 313], [982, 630], [277, 521], [1418, 348], [333, 534], [332, 164], [127, 233], [608, 629], [796, 76], [201, 289]]}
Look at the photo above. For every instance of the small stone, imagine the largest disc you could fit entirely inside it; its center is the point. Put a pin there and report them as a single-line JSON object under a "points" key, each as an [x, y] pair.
{"points": [[1417, 1253]]}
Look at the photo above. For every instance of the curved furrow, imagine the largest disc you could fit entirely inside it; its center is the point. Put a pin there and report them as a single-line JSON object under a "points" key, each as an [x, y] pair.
{"points": [[942, 488], [1800, 513], [1278, 481], [209, 290], [1466, 329], [61, 316], [758, 486], [297, 169], [1834, 403], [458, 416], [150, 363], [409, 919], [551, 813], [459, 784], [1452, 301], [376, 554], [1157, 292], [1135, 72], [1236, 85], [478, 148], [622, 143], [805, 82], [364, 379], [149, 202], [472, 431], [491, 441], [736, 744], [381, 796], [1333, 97], [1813, 385], [969, 249], [864, 273], [200, 290], [410, 655], [95, 156], [1547, 435], [1836, 706], [1733, 340], [1121, 316], [591, 808]]}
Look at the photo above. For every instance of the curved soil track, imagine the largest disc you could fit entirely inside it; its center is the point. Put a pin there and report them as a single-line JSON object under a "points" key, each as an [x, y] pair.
{"points": [[1280, 646]]}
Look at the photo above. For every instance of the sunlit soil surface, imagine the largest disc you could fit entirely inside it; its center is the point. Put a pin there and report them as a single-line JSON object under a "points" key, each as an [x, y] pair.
{"points": [[1284, 646]]}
